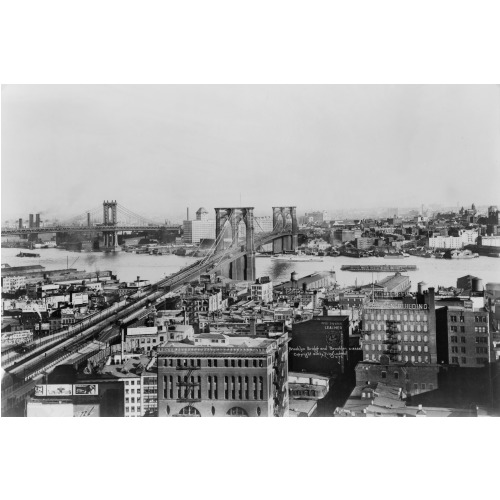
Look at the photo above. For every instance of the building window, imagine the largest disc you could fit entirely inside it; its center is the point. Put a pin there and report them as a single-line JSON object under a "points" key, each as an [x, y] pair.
{"points": [[453, 319], [454, 338], [384, 374], [237, 412], [190, 411], [464, 360], [454, 359], [422, 386], [255, 389], [415, 387], [396, 375]]}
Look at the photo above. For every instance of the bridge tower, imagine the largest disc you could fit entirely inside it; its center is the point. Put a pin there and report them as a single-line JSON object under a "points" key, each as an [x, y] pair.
{"points": [[288, 242], [242, 268], [110, 219]]}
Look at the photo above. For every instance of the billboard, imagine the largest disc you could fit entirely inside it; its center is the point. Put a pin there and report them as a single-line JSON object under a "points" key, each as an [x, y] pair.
{"points": [[85, 389], [18, 337], [39, 409], [86, 410], [59, 390], [40, 390]]}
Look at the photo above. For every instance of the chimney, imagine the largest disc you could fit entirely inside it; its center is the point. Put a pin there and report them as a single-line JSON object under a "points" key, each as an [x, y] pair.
{"points": [[253, 329], [88, 219], [20, 223], [31, 221], [37, 223]]}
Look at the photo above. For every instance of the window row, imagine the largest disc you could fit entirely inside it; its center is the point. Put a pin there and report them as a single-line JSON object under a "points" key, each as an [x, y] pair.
{"points": [[132, 400], [132, 391], [212, 362], [480, 319], [406, 348], [234, 387], [480, 329], [396, 317], [413, 359], [406, 328], [406, 338]]}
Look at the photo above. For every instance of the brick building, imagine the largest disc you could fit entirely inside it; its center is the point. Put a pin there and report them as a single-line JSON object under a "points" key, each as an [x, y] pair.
{"points": [[320, 345], [463, 337], [404, 329]]}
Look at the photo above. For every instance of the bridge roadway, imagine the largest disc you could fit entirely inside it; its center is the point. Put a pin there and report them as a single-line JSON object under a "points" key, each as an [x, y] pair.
{"points": [[33, 364], [6, 231]]}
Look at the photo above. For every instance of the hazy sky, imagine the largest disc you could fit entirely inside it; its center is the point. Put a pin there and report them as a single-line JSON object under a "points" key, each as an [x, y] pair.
{"points": [[158, 149]]}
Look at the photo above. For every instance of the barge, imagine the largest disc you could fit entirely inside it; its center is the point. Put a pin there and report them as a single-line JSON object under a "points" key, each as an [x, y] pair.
{"points": [[390, 268]]}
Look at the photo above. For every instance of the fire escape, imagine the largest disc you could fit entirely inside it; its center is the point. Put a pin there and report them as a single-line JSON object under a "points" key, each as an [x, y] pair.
{"points": [[391, 342], [278, 380], [188, 385]]}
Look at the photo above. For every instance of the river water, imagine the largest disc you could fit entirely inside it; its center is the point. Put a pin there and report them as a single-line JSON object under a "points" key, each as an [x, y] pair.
{"points": [[127, 266]]}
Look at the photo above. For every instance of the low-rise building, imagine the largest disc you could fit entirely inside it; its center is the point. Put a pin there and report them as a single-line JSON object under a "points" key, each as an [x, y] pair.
{"points": [[382, 400], [395, 285], [12, 283], [262, 290], [412, 379]]}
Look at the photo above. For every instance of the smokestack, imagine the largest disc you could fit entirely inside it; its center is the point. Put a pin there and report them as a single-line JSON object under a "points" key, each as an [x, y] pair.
{"points": [[31, 221], [88, 219], [37, 223], [253, 329], [20, 223], [187, 213]]}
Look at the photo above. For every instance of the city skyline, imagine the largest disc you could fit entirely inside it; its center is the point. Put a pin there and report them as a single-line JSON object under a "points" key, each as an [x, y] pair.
{"points": [[142, 144]]}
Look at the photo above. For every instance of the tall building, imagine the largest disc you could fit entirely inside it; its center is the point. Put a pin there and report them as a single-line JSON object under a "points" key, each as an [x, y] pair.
{"points": [[403, 329], [202, 228], [221, 375], [463, 337]]}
